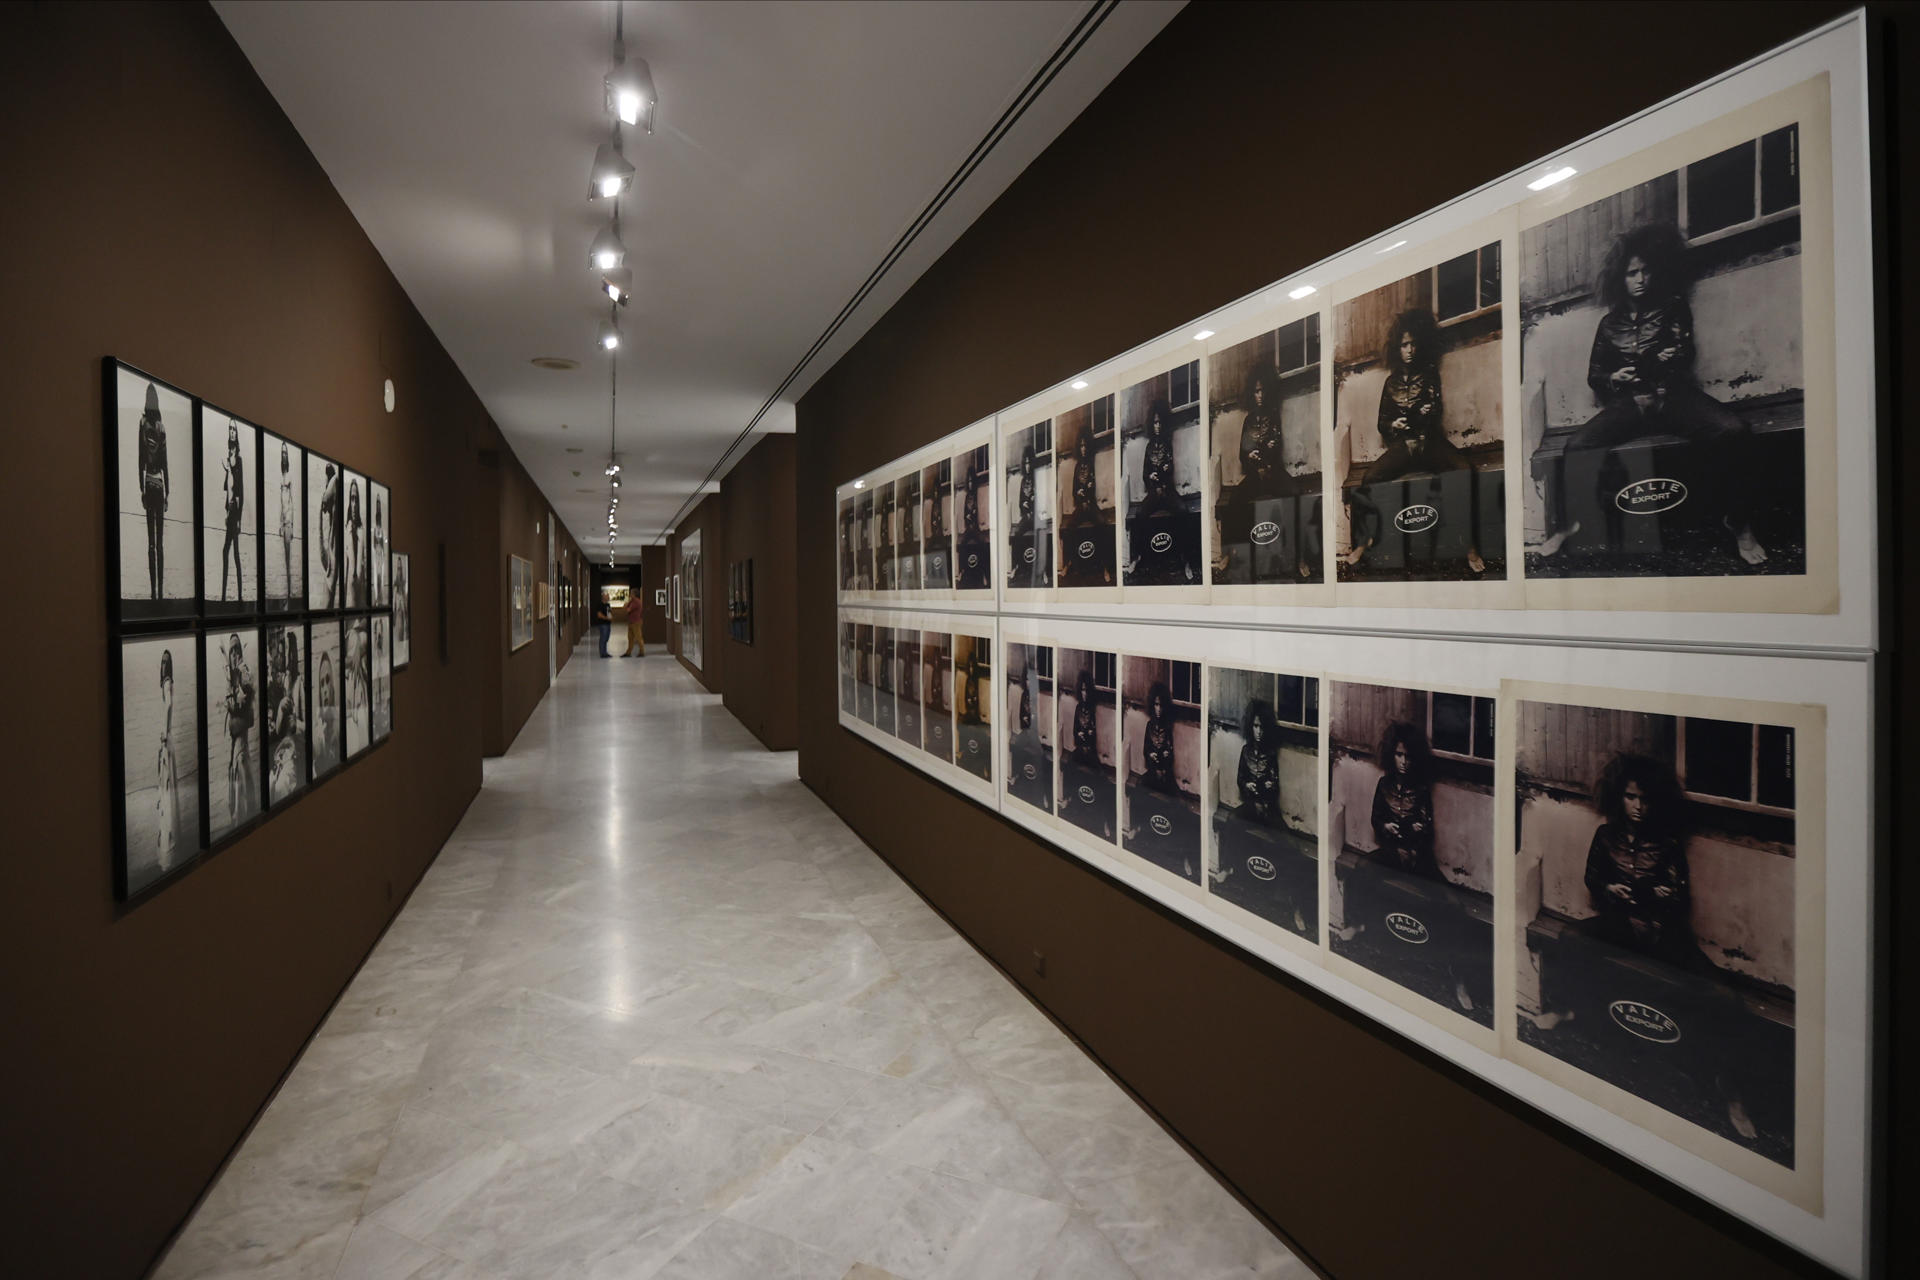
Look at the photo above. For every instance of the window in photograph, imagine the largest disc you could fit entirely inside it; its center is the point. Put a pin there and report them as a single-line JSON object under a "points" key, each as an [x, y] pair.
{"points": [[1467, 285], [1745, 186]]}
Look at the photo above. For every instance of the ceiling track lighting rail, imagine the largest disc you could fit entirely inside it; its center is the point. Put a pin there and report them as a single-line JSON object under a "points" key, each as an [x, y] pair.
{"points": [[1077, 38]]}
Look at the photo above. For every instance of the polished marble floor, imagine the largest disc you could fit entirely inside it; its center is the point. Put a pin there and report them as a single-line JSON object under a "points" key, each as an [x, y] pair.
{"points": [[656, 1012]]}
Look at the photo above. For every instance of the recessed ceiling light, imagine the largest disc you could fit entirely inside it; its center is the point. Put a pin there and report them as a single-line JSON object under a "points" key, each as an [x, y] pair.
{"points": [[559, 364], [1305, 290], [575, 449], [1551, 178], [1203, 335], [1079, 384]]}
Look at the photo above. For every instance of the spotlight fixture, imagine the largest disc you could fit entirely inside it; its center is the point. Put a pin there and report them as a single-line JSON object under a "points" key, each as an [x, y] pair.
{"points": [[630, 94], [608, 252], [613, 468], [612, 172], [1304, 291], [617, 284], [609, 335]]}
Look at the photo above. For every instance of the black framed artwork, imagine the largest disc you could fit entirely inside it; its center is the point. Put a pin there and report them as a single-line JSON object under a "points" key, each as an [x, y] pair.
{"points": [[381, 539], [326, 736], [382, 683], [151, 473], [326, 585], [283, 524], [402, 611], [156, 759], [356, 539], [287, 712], [231, 723], [357, 639], [229, 533]]}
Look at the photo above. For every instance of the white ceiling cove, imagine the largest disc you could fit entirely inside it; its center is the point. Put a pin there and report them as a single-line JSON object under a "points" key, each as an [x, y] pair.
{"points": [[795, 144]]}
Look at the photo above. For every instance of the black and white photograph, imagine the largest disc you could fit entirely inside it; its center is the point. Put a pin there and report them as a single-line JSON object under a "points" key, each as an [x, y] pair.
{"points": [[1263, 779], [936, 708], [403, 610], [936, 526], [283, 527], [160, 758], [235, 714], [863, 672], [382, 542], [1088, 738], [1658, 865], [326, 565], [519, 602], [1661, 358], [356, 539], [863, 541], [907, 503], [849, 670], [693, 631], [884, 708], [1084, 481], [1162, 743], [907, 686], [973, 704], [357, 684], [229, 513], [1411, 814], [382, 677], [1263, 421], [1030, 724], [1419, 431], [973, 544], [328, 674], [846, 544], [150, 425], [886, 516], [1161, 457], [1028, 487], [287, 717]]}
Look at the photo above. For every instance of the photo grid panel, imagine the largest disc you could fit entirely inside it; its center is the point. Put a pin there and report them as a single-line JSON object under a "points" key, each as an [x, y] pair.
{"points": [[1030, 724], [1263, 782], [358, 700], [1419, 425], [229, 513], [1162, 743], [288, 717], [160, 758], [1410, 814], [325, 654], [1088, 734], [234, 717], [155, 476], [1161, 458], [284, 524], [1263, 420]]}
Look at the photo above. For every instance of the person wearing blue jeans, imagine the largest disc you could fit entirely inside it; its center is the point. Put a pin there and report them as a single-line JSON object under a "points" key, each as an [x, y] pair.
{"points": [[603, 623]]}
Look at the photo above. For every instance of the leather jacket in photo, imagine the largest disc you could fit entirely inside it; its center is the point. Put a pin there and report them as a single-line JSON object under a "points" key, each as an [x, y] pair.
{"points": [[1656, 343]]}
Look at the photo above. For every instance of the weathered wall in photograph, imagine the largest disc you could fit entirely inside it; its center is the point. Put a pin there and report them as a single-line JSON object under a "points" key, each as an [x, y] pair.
{"points": [[1294, 1100], [213, 251]]}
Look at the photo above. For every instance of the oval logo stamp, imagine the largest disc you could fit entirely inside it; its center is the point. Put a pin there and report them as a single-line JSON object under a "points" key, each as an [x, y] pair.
{"points": [[1086, 794], [973, 560], [1406, 928], [1086, 549], [1161, 541], [1264, 532], [1030, 771], [1027, 555], [973, 746], [1160, 824], [1417, 518], [1650, 497], [1645, 1021], [1262, 868]]}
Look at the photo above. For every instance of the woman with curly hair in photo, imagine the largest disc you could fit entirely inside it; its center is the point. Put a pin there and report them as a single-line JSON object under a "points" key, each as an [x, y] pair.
{"points": [[1403, 801], [1641, 373]]}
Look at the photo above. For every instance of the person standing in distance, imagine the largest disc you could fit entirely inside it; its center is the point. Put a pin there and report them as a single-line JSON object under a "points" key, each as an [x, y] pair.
{"points": [[636, 611], [603, 623]]}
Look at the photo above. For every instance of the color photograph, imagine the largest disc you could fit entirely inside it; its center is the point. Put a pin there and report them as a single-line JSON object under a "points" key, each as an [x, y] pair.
{"points": [[1161, 457], [1263, 420], [906, 686], [1162, 744], [936, 526], [973, 704], [1085, 481], [1263, 771], [160, 758], [936, 711], [1028, 489], [973, 547], [1089, 739]]}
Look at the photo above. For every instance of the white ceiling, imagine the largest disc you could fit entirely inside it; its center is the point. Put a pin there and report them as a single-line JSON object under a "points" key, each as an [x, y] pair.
{"points": [[795, 143]]}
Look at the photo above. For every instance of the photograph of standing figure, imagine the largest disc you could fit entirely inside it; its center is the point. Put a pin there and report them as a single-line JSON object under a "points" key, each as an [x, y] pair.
{"points": [[1161, 742], [936, 710], [1263, 771], [160, 759], [403, 610], [1659, 861], [936, 525], [325, 587], [324, 658], [230, 514], [1418, 425], [1263, 414], [906, 660], [382, 678], [286, 713], [283, 529], [907, 494], [1411, 815], [973, 705], [1088, 734], [1160, 461], [151, 427], [234, 716], [382, 545], [1083, 438], [1029, 712], [354, 541], [1028, 490], [1663, 372], [358, 682], [973, 550]]}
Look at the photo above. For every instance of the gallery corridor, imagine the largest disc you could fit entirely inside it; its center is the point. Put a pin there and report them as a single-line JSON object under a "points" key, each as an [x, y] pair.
{"points": [[655, 1011]]}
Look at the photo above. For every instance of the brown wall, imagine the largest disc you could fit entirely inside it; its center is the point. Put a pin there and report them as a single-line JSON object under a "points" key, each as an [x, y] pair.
{"points": [[518, 677], [709, 519], [159, 208], [1376, 1159], [758, 687], [653, 577]]}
